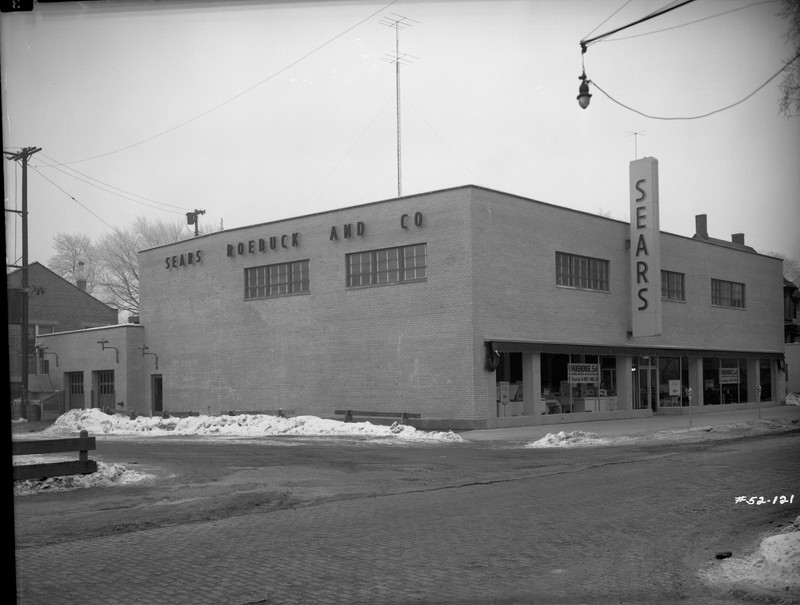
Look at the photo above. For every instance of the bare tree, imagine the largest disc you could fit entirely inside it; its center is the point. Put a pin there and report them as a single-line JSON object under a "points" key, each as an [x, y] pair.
{"points": [[118, 254], [70, 250], [113, 261], [790, 86], [791, 266]]}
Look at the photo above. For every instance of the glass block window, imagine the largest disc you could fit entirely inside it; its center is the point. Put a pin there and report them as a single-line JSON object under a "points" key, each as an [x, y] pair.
{"points": [[281, 279]]}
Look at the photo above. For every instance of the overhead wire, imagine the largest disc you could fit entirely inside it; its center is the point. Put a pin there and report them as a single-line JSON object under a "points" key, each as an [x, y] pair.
{"points": [[39, 172], [114, 190], [585, 43], [346, 153], [240, 94], [658, 31], [607, 19], [458, 159], [705, 115]]}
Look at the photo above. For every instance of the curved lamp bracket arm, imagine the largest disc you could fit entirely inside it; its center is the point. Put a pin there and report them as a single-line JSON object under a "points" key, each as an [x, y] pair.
{"points": [[144, 349], [104, 344]]}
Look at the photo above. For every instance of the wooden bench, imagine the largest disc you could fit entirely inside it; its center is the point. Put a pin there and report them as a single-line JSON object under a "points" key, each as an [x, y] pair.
{"points": [[81, 466], [280, 413], [401, 416]]}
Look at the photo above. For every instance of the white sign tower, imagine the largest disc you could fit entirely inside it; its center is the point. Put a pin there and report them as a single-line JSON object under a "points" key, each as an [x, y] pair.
{"points": [[645, 248]]}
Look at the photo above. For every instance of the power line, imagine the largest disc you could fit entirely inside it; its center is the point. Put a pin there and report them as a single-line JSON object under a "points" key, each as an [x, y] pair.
{"points": [[705, 115], [113, 190], [238, 95], [607, 19], [670, 7], [658, 31], [72, 198]]}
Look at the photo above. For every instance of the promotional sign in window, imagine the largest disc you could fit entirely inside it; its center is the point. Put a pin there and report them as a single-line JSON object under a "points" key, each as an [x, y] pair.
{"points": [[645, 248], [504, 392], [584, 372], [729, 375]]}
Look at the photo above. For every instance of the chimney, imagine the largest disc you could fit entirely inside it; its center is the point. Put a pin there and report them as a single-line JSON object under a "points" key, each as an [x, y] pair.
{"points": [[738, 238], [80, 276], [701, 225]]}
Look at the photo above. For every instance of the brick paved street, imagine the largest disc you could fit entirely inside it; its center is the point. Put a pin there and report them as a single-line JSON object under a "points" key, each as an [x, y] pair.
{"points": [[620, 532]]}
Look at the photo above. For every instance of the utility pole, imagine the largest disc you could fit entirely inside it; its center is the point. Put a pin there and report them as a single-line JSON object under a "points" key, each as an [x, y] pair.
{"points": [[192, 219], [23, 157]]}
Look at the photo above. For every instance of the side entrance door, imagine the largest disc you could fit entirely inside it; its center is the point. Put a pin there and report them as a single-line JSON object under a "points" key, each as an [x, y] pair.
{"points": [[76, 397], [105, 389], [157, 389]]}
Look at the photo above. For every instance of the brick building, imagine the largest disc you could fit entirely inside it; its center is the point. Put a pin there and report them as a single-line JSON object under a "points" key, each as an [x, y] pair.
{"points": [[54, 305], [471, 307]]}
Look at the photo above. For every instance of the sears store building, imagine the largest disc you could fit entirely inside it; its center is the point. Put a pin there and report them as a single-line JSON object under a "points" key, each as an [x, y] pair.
{"points": [[470, 307]]}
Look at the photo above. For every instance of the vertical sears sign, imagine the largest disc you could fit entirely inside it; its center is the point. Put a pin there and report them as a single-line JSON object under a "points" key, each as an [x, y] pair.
{"points": [[645, 248]]}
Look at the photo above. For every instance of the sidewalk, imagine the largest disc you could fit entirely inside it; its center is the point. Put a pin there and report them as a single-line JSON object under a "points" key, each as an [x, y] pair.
{"points": [[636, 426]]}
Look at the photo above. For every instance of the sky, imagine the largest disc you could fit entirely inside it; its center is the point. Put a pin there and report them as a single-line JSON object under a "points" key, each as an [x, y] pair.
{"points": [[262, 110], [771, 567]]}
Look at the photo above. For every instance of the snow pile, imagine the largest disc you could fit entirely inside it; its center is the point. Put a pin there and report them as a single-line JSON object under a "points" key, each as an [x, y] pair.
{"points": [[773, 567], [793, 399], [107, 475], [571, 439], [245, 425], [687, 435]]}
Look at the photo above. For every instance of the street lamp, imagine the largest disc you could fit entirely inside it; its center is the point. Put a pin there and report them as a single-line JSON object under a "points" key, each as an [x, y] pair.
{"points": [[584, 96]]}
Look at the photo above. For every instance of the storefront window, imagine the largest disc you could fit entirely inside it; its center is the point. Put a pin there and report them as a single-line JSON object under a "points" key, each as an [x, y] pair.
{"points": [[765, 380], [578, 383], [724, 380], [673, 380]]}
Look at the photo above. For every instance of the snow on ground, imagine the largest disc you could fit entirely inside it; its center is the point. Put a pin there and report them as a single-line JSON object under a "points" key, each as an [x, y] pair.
{"points": [[774, 567], [107, 475], [687, 435], [97, 422]]}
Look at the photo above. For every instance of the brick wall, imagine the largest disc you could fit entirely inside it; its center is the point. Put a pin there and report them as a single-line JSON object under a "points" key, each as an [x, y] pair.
{"points": [[418, 347], [404, 347], [54, 303], [515, 241]]}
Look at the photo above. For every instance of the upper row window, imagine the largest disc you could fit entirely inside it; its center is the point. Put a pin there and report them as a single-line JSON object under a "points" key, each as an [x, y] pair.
{"points": [[387, 266], [673, 286], [276, 280], [581, 272], [727, 294]]}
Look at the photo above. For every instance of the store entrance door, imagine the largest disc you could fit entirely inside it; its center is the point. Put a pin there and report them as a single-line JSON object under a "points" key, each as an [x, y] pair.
{"points": [[645, 385]]}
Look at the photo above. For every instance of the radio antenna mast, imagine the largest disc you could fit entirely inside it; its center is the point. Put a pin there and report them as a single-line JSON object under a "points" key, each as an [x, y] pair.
{"points": [[398, 22], [635, 136]]}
